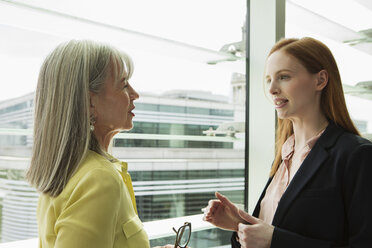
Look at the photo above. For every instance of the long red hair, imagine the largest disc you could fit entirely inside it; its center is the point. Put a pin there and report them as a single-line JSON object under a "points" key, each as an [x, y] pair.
{"points": [[314, 56]]}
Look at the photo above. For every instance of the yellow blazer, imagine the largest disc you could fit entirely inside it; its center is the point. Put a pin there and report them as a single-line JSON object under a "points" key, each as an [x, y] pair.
{"points": [[96, 209]]}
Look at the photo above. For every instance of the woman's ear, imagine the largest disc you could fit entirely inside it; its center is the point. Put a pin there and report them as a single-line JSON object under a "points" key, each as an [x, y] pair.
{"points": [[322, 80]]}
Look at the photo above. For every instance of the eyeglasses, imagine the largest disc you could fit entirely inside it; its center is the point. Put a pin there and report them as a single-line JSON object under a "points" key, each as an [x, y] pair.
{"points": [[183, 235]]}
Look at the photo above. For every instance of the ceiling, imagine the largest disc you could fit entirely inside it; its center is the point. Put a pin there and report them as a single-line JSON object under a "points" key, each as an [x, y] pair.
{"points": [[349, 23], [39, 30]]}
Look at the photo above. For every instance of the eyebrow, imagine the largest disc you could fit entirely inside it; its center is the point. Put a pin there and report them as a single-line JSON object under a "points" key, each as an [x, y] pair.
{"points": [[280, 71], [123, 79]]}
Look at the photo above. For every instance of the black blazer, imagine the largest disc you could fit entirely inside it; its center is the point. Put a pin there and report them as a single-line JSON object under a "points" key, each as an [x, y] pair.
{"points": [[328, 203]]}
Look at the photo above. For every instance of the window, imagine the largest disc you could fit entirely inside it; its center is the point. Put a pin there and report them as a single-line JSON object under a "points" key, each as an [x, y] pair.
{"points": [[185, 76], [345, 31], [191, 78]]}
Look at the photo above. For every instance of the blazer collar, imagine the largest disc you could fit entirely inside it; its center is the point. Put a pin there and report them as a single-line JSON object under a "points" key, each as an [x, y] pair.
{"points": [[310, 165], [330, 135]]}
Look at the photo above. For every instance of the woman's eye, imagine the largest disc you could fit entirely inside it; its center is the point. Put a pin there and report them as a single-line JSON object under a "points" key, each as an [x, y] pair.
{"points": [[125, 84], [283, 77]]}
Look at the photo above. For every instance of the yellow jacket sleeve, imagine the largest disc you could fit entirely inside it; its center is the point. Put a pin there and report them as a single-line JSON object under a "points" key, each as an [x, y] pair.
{"points": [[89, 217]]}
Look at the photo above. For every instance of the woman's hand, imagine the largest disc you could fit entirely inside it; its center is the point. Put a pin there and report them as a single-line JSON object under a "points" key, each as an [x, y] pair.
{"points": [[257, 234], [223, 213]]}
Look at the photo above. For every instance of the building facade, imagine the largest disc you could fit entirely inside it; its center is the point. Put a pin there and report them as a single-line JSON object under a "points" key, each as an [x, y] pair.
{"points": [[174, 166]]}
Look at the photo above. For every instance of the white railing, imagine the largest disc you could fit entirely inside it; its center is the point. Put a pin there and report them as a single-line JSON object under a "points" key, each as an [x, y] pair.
{"points": [[19, 203], [155, 230], [143, 188]]}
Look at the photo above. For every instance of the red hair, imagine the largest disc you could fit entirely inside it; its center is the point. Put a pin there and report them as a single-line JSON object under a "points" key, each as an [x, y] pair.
{"points": [[314, 56]]}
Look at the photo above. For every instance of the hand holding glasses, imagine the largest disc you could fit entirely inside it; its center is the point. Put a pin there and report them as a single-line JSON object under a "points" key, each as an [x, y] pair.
{"points": [[183, 235]]}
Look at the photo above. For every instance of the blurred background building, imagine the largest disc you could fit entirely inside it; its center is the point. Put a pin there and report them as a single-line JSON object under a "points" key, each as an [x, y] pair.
{"points": [[175, 168]]}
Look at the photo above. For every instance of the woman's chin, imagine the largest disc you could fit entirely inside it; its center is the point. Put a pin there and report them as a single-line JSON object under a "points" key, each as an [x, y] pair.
{"points": [[282, 115], [127, 127]]}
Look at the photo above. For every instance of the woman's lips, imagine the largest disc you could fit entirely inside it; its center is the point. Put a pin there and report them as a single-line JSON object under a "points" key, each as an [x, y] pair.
{"points": [[280, 103]]}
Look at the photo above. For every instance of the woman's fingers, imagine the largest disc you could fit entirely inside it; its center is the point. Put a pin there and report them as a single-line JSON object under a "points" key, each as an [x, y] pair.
{"points": [[225, 201], [258, 235], [247, 217], [210, 210], [212, 205]]}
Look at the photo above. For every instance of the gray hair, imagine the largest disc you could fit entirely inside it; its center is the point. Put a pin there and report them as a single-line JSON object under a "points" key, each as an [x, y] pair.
{"points": [[62, 133]]}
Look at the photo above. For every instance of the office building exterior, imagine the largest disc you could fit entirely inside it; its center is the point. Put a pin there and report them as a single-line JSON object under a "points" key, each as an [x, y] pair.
{"points": [[175, 167]]}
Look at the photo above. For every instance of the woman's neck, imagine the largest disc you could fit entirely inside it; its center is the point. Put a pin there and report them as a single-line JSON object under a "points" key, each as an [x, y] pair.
{"points": [[104, 138], [306, 129]]}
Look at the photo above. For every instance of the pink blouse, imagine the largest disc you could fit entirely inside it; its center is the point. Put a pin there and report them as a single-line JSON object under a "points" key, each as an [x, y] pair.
{"points": [[284, 175]]}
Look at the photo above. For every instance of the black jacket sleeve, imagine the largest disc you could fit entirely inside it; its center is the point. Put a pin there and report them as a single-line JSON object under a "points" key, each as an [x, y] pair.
{"points": [[355, 184], [234, 241], [356, 191]]}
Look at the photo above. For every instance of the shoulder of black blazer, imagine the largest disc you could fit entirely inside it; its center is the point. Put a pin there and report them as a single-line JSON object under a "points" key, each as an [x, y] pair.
{"points": [[336, 141]]}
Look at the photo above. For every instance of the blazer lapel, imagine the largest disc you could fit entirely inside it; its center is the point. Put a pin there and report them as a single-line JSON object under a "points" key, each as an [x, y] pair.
{"points": [[311, 164]]}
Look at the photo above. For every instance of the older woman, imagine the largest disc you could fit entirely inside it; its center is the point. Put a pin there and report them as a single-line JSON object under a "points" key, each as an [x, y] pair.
{"points": [[83, 99], [318, 193]]}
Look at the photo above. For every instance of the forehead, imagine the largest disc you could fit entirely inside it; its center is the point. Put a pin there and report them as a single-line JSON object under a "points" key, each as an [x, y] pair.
{"points": [[281, 60]]}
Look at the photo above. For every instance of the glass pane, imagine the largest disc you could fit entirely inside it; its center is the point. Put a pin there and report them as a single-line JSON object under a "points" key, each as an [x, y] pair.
{"points": [[346, 31], [188, 135]]}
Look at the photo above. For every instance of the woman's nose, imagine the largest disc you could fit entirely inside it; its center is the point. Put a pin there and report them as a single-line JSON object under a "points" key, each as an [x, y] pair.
{"points": [[134, 94], [273, 88]]}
